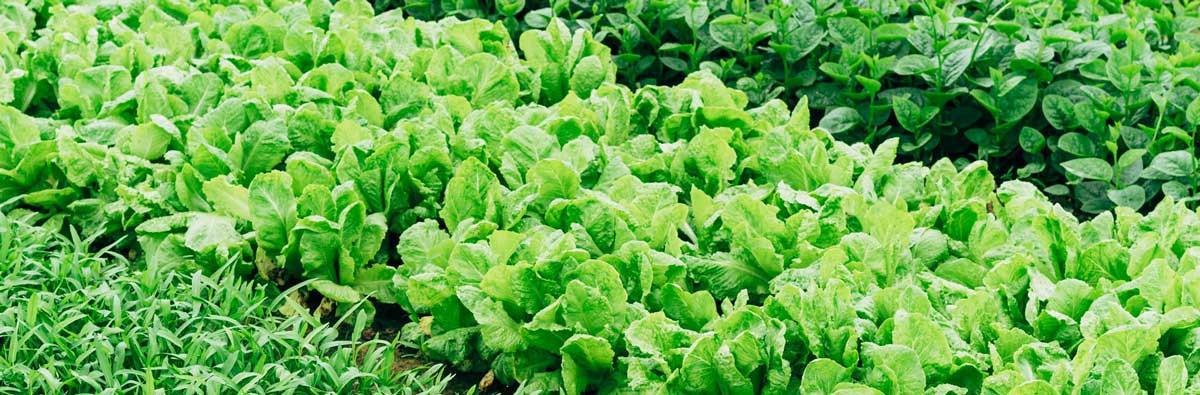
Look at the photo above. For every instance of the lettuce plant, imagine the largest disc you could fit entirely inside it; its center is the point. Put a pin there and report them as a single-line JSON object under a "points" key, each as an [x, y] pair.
{"points": [[792, 262]]}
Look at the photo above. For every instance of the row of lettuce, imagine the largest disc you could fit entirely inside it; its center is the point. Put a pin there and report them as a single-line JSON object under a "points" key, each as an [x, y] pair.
{"points": [[1095, 101], [565, 233]]}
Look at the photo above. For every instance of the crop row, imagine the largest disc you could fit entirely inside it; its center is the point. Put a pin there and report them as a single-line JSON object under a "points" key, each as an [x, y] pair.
{"points": [[1094, 101]]}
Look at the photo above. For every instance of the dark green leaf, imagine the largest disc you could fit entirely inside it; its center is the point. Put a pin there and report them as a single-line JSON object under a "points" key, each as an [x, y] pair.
{"points": [[1059, 111], [1031, 140]]}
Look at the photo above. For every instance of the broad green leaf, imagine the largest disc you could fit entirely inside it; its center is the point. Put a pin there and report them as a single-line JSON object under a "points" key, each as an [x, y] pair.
{"points": [[1015, 104], [1192, 113], [1089, 168], [1115, 377], [259, 148], [1077, 144], [553, 180], [840, 120], [732, 32], [910, 116], [474, 194], [1171, 164], [228, 197], [1132, 196], [1059, 111], [894, 369], [272, 209], [336, 292], [913, 65], [585, 359], [1031, 140], [693, 310], [822, 376], [148, 141], [921, 334], [956, 57], [499, 330], [1172, 376]]}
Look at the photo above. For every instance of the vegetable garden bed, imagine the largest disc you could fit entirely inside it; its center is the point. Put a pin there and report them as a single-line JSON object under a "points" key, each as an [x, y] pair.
{"points": [[491, 196]]}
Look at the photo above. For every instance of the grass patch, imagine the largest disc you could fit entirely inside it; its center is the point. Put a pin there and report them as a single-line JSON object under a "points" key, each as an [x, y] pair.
{"points": [[81, 319]]}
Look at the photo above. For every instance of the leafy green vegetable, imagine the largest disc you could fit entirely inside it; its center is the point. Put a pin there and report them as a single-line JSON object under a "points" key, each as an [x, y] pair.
{"points": [[557, 232], [842, 273], [1096, 80]]}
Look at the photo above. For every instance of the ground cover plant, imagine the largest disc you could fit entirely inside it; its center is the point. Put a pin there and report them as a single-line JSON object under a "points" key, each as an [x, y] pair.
{"points": [[533, 221], [1095, 101], [81, 319]]}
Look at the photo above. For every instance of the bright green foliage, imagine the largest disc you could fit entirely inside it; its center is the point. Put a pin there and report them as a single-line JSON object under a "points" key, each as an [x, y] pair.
{"points": [[793, 262], [289, 137], [78, 321], [1095, 100], [567, 234]]}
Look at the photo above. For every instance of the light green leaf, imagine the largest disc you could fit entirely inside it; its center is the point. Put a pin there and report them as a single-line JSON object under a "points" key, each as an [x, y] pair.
{"points": [[259, 148], [840, 120], [1171, 164], [336, 292], [473, 193], [272, 209], [1132, 196], [228, 198], [585, 359], [1089, 168]]}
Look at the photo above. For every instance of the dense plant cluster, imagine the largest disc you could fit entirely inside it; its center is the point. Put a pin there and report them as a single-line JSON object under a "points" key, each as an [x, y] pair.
{"points": [[83, 319], [1094, 100], [541, 224]]}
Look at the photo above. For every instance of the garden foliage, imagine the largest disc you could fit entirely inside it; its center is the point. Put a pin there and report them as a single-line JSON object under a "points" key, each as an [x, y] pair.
{"points": [[538, 221], [1095, 101]]}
